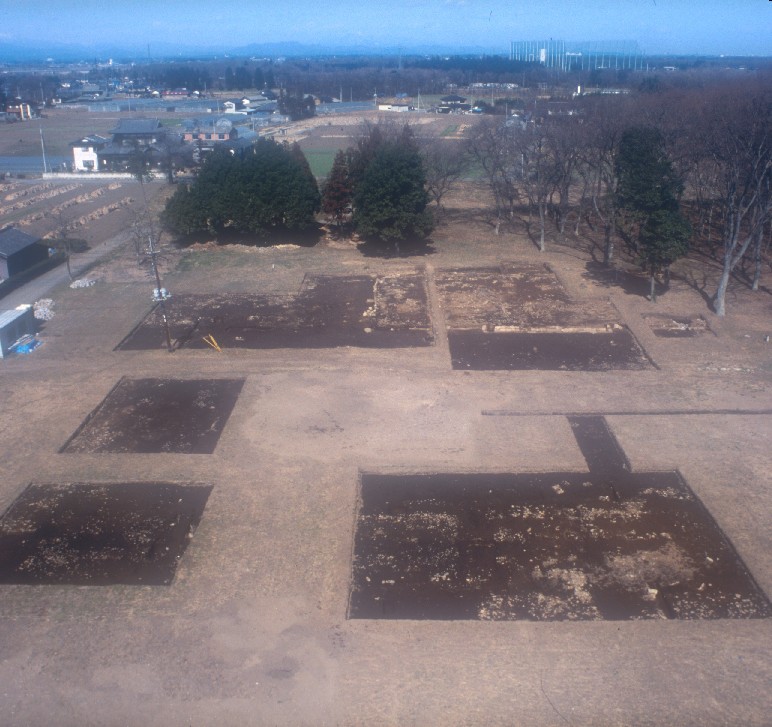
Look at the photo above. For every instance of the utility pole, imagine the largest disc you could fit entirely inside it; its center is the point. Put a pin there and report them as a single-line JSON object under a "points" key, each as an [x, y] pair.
{"points": [[159, 294], [43, 148]]}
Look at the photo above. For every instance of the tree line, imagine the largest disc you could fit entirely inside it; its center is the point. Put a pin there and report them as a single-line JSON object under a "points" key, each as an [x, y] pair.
{"points": [[654, 173], [267, 188], [638, 167], [380, 185], [378, 188]]}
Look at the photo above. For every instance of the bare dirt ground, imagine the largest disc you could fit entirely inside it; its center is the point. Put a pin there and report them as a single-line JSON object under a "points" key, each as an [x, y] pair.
{"points": [[254, 629]]}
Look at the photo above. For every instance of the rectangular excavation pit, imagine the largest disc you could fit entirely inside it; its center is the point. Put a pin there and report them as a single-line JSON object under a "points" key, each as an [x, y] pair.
{"points": [[150, 416], [677, 327], [523, 295], [519, 317], [99, 534], [543, 547], [329, 311], [601, 350]]}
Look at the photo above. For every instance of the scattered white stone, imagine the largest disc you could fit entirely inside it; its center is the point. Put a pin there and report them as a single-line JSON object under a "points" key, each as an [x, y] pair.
{"points": [[83, 283], [42, 309]]}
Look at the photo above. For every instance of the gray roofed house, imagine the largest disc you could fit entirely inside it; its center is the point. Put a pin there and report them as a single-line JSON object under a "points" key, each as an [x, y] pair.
{"points": [[145, 135], [143, 131], [96, 153], [19, 252]]}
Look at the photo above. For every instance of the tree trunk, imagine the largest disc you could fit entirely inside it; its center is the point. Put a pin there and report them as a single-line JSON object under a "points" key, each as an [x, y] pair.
{"points": [[608, 248], [710, 222], [730, 261], [562, 226], [757, 259], [719, 305], [541, 227], [652, 287]]}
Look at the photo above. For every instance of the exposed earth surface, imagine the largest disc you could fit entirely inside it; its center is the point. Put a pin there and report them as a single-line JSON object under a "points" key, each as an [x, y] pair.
{"points": [[476, 485]]}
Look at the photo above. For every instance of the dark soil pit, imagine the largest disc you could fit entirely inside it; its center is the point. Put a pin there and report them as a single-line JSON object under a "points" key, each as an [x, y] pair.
{"points": [[329, 311], [147, 416], [677, 327], [99, 534], [608, 544], [518, 317], [601, 350]]}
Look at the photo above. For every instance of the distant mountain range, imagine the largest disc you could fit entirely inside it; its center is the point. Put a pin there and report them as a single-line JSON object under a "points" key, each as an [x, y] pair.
{"points": [[32, 51], [26, 52]]}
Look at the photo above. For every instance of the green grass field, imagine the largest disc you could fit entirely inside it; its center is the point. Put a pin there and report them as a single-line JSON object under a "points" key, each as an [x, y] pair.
{"points": [[320, 160]]}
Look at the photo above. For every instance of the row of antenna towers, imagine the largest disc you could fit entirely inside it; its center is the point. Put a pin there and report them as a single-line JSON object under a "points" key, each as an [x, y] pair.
{"points": [[579, 55]]}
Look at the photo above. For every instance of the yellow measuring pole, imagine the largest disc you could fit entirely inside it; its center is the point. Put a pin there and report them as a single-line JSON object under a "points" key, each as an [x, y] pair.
{"points": [[210, 340]]}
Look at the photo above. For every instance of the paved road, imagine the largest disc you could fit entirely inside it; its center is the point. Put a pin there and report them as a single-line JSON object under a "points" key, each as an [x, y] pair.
{"points": [[38, 287]]}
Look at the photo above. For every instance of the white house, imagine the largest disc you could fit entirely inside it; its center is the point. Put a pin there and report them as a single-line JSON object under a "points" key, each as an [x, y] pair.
{"points": [[85, 153]]}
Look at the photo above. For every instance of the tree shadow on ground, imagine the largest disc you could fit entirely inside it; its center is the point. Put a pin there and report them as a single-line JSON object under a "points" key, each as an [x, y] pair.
{"points": [[412, 247], [631, 282], [706, 274], [699, 283], [450, 216], [303, 238]]}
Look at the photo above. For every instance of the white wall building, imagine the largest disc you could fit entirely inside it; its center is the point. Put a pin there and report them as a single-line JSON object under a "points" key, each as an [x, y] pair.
{"points": [[85, 153]]}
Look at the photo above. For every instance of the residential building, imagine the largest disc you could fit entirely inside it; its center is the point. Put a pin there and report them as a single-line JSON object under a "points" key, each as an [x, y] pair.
{"points": [[85, 153], [19, 252]]}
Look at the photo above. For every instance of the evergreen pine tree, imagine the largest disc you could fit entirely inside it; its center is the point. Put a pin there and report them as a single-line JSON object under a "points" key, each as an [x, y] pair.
{"points": [[337, 191], [390, 199], [652, 225], [267, 188]]}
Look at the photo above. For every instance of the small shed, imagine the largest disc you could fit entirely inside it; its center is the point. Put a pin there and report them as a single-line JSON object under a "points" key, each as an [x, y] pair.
{"points": [[19, 252], [13, 325]]}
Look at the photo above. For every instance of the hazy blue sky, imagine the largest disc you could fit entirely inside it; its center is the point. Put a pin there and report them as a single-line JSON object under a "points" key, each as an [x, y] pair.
{"points": [[686, 26]]}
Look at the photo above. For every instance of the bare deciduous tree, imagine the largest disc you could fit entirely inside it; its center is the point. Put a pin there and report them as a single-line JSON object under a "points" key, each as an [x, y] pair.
{"points": [[739, 140], [607, 120], [445, 163], [62, 240], [565, 142], [537, 172], [493, 146]]}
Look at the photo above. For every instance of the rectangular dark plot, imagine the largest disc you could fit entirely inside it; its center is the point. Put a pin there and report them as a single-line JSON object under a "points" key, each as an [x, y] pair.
{"points": [[548, 546], [149, 334], [150, 416], [677, 327], [552, 351], [322, 337], [329, 311], [99, 534]]}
